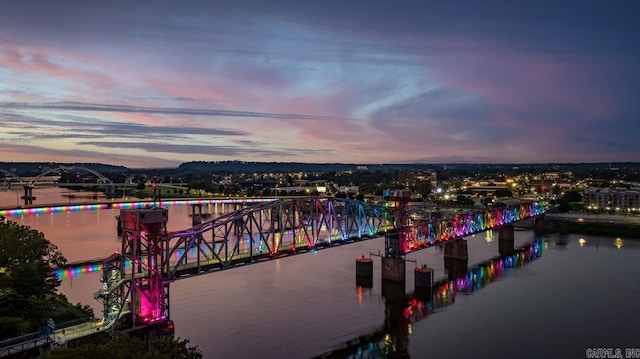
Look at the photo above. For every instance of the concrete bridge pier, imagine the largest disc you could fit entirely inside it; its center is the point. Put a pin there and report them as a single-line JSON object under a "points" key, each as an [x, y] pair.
{"points": [[364, 272], [456, 257], [110, 191], [28, 195], [393, 269], [423, 282], [157, 195], [506, 240], [196, 218]]}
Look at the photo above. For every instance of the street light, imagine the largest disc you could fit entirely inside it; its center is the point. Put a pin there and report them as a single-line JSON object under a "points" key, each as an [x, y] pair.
{"points": [[439, 192]]}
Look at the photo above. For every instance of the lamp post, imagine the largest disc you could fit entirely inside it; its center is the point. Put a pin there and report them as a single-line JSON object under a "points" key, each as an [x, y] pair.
{"points": [[439, 192]]}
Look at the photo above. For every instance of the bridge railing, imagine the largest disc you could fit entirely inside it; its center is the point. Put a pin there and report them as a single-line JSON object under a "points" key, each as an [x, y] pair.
{"points": [[23, 343]]}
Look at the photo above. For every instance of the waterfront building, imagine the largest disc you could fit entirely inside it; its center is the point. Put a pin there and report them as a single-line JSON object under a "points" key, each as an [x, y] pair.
{"points": [[611, 199]]}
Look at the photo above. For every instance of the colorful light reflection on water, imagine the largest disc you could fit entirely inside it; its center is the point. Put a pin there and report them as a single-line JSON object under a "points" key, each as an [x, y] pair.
{"points": [[390, 342]]}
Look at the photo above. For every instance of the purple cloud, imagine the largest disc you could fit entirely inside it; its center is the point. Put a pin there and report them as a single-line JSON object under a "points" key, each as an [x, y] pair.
{"points": [[326, 81]]}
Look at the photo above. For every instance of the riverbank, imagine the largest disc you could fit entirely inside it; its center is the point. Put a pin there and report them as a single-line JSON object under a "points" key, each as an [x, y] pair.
{"points": [[595, 228]]}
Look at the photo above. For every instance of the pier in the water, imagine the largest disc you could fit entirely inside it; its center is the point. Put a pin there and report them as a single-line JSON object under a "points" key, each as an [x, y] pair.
{"points": [[409, 236]]}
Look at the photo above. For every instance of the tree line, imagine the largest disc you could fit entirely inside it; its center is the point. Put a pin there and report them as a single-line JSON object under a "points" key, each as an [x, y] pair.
{"points": [[29, 299]]}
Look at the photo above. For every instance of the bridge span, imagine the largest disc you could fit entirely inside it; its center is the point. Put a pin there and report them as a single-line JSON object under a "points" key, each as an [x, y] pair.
{"points": [[135, 281]]}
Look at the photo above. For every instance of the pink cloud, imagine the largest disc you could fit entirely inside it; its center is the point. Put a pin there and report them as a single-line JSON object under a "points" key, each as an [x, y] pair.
{"points": [[34, 153]]}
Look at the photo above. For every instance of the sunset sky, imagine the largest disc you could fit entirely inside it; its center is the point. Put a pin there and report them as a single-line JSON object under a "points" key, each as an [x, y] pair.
{"points": [[155, 84]]}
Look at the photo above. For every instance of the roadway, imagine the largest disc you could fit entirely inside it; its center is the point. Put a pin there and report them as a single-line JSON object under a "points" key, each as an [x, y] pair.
{"points": [[58, 338], [61, 336]]}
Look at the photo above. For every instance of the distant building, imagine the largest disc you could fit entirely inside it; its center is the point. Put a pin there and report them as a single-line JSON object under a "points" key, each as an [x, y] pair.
{"points": [[349, 189], [486, 191], [411, 177], [298, 189], [610, 199]]}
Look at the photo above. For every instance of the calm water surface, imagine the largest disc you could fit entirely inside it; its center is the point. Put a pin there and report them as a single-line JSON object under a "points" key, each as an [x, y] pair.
{"points": [[572, 298]]}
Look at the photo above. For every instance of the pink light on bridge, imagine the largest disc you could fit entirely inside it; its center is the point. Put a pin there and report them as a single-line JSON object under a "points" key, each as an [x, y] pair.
{"points": [[147, 310]]}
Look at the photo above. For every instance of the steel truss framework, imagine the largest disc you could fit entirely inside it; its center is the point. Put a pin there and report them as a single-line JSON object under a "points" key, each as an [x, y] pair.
{"points": [[428, 233], [137, 280], [273, 229], [133, 280]]}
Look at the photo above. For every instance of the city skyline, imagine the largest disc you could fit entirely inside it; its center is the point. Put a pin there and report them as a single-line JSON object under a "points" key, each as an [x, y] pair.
{"points": [[348, 82]]}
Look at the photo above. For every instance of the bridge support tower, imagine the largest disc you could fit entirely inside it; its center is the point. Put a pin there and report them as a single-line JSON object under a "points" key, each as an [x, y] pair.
{"points": [[196, 218], [506, 237], [145, 245], [397, 244], [157, 195], [423, 282], [110, 191], [393, 269]]}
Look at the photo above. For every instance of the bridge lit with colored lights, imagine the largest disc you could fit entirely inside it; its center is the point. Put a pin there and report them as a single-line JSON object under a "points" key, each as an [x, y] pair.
{"points": [[320, 229], [35, 210], [135, 281]]}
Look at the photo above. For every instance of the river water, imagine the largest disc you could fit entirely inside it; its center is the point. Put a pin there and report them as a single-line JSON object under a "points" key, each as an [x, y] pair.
{"points": [[575, 297]]}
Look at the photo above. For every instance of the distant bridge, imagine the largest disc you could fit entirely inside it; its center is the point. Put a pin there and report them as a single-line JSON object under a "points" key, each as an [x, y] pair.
{"points": [[11, 180], [41, 180], [42, 176]]}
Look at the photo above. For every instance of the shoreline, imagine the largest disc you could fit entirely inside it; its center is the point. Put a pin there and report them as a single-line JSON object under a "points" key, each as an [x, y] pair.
{"points": [[604, 228]]}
